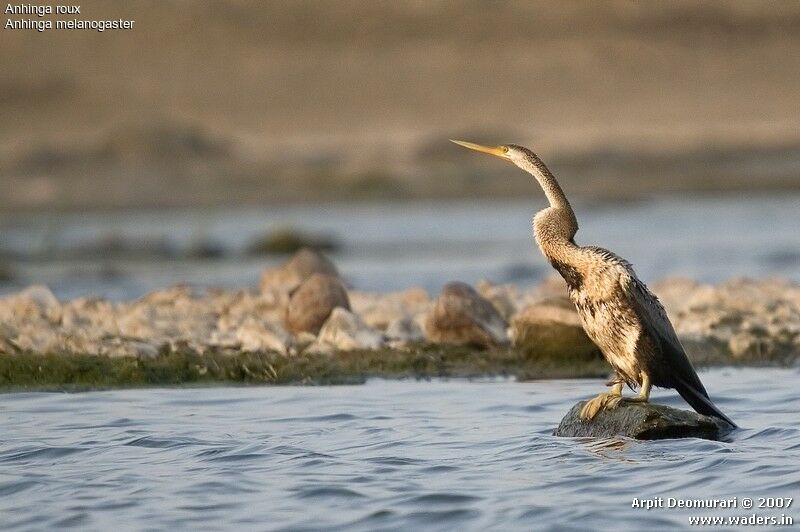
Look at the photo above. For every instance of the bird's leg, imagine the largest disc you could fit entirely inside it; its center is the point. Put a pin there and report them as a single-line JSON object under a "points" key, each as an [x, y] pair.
{"points": [[604, 401], [644, 391], [616, 395]]}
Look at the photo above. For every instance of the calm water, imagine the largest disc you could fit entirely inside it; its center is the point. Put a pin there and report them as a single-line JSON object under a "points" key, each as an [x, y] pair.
{"points": [[391, 247], [385, 455]]}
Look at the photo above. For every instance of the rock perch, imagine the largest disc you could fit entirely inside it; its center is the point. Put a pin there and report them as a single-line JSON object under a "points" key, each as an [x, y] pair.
{"points": [[642, 421]]}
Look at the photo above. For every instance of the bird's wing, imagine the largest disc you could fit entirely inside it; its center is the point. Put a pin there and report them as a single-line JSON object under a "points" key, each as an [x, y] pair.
{"points": [[656, 324], [651, 316]]}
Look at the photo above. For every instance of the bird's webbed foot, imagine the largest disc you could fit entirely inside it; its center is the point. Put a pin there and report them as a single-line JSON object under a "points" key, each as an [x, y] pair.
{"points": [[604, 401]]}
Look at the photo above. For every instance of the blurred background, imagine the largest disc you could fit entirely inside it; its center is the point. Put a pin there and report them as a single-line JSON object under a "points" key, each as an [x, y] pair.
{"points": [[215, 137]]}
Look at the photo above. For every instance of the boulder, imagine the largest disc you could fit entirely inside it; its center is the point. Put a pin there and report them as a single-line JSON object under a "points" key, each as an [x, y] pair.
{"points": [[344, 331], [293, 273], [641, 421], [312, 303], [552, 329], [460, 316]]}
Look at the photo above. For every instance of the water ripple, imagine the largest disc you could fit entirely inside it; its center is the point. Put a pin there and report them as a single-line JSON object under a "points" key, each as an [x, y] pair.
{"points": [[385, 455]]}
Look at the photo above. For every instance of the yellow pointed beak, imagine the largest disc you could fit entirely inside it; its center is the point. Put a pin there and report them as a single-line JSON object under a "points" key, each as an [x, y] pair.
{"points": [[498, 151]]}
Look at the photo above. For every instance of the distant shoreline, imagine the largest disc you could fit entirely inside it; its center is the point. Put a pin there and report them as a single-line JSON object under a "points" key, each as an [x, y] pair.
{"points": [[215, 174]]}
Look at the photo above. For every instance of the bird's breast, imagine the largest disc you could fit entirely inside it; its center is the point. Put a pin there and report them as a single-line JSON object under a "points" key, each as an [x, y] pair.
{"points": [[610, 325]]}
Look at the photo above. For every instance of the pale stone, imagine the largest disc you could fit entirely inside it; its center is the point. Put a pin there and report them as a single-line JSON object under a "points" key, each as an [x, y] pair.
{"points": [[36, 302], [505, 297], [754, 319], [742, 344], [379, 310], [320, 348], [741, 318], [259, 335], [347, 332], [405, 331]]}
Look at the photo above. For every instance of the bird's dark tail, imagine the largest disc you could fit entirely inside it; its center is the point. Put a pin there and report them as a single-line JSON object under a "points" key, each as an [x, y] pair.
{"points": [[700, 402]]}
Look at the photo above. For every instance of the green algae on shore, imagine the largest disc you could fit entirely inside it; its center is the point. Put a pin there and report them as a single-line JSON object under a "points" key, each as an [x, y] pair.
{"points": [[176, 337], [74, 372], [27, 371]]}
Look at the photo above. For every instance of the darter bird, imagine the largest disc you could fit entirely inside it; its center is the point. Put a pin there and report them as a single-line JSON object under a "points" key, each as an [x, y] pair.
{"points": [[617, 310]]}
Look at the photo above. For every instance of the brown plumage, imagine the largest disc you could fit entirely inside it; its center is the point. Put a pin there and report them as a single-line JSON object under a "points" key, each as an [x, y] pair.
{"points": [[618, 312]]}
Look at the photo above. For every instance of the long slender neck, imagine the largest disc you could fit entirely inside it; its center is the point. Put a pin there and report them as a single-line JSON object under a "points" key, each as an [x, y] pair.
{"points": [[534, 166], [556, 226]]}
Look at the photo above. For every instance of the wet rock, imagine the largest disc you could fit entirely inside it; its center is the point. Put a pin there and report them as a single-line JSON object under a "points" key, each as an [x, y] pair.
{"points": [[460, 316], [312, 303], [642, 421], [293, 273], [552, 329], [344, 331]]}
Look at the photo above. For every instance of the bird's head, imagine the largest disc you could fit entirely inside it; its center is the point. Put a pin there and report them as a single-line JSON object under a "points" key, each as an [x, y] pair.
{"points": [[530, 162], [510, 152]]}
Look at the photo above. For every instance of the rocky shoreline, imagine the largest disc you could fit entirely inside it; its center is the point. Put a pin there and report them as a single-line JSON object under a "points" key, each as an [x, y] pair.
{"points": [[304, 325]]}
